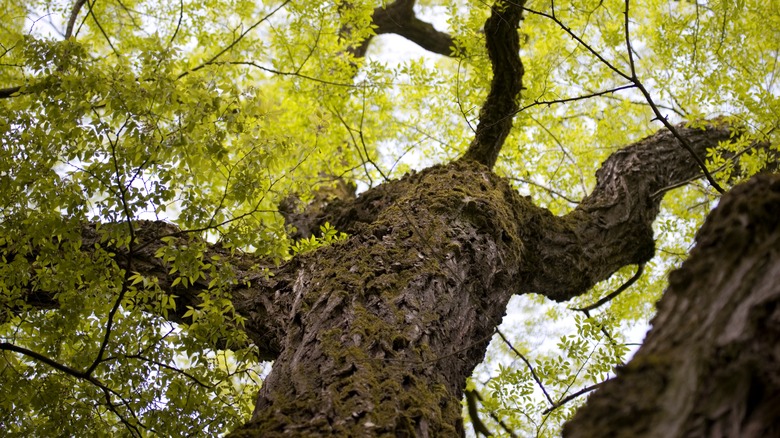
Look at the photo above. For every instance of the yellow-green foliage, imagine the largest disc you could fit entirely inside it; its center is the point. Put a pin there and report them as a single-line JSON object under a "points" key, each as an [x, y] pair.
{"points": [[208, 114]]}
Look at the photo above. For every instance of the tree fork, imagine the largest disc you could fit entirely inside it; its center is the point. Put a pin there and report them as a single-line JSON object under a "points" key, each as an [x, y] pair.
{"points": [[385, 328]]}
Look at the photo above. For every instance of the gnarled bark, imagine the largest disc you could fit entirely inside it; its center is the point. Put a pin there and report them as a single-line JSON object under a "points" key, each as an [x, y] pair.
{"points": [[385, 328], [612, 226], [377, 335], [711, 364]]}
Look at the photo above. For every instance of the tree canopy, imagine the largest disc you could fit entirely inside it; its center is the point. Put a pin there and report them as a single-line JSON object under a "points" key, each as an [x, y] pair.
{"points": [[153, 148]]}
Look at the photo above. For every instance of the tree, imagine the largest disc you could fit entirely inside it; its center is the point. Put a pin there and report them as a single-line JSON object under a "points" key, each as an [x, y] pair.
{"points": [[178, 201]]}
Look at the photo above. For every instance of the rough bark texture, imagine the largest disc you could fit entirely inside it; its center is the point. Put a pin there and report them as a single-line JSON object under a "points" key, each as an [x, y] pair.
{"points": [[385, 328], [710, 367], [612, 226], [376, 335], [498, 111]]}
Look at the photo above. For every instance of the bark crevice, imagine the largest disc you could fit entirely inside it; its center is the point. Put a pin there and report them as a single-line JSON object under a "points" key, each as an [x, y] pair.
{"points": [[709, 366]]}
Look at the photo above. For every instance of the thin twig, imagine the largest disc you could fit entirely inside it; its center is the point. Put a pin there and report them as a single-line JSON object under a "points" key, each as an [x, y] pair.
{"points": [[458, 100], [682, 140], [46, 360], [102, 31], [277, 72], [571, 397], [547, 189], [78, 375], [528, 364], [580, 41], [576, 98], [720, 168], [634, 79], [628, 42], [128, 257], [178, 25], [240, 37], [618, 291]]}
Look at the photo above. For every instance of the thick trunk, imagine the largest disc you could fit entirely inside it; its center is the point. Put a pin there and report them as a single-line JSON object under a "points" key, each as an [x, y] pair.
{"points": [[710, 367], [381, 331], [376, 335], [384, 329]]}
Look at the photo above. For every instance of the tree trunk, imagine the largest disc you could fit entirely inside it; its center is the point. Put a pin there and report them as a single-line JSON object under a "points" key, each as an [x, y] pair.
{"points": [[376, 335], [380, 332], [710, 367], [384, 329]]}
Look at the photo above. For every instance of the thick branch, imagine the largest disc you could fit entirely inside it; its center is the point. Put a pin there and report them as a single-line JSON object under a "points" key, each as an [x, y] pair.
{"points": [[710, 366], [73, 15], [399, 18], [495, 117], [612, 227], [145, 262], [253, 297]]}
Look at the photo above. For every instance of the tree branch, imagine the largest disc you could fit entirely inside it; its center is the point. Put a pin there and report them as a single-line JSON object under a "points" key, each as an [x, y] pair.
{"points": [[235, 41], [73, 15], [612, 227], [9, 92], [471, 403], [634, 79], [108, 392], [712, 351], [254, 298], [12, 91], [612, 295], [495, 117], [528, 364], [562, 256], [573, 396], [495, 417], [399, 18]]}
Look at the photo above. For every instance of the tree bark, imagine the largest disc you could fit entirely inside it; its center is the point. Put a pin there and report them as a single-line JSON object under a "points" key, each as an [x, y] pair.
{"points": [[385, 328], [710, 367], [377, 335], [399, 18]]}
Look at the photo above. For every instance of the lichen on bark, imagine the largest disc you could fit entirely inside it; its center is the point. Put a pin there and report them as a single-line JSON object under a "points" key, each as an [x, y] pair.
{"points": [[384, 328], [709, 366]]}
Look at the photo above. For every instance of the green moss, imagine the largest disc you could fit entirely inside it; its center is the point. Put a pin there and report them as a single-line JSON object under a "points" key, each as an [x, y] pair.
{"points": [[384, 377]]}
